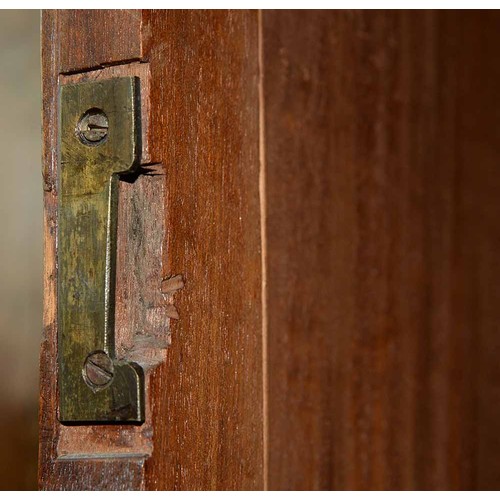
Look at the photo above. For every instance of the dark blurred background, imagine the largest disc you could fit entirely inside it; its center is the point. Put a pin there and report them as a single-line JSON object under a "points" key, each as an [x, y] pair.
{"points": [[21, 251]]}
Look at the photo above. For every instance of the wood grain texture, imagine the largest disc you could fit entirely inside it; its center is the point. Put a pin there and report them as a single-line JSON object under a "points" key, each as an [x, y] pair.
{"points": [[207, 413], [85, 457], [88, 39], [383, 270], [380, 142], [477, 266], [204, 413]]}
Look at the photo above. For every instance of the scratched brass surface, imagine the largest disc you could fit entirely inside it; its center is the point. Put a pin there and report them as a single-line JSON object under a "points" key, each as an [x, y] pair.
{"points": [[88, 198]]}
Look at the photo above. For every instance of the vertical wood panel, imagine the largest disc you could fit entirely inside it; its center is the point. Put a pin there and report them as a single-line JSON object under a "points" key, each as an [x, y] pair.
{"points": [[381, 150], [67, 459], [208, 395], [478, 220], [205, 417], [382, 156]]}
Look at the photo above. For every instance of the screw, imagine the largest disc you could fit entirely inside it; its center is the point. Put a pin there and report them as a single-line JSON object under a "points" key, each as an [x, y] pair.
{"points": [[98, 370], [92, 129]]}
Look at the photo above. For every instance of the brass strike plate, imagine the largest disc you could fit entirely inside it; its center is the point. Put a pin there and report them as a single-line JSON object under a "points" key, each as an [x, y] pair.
{"points": [[99, 140]]}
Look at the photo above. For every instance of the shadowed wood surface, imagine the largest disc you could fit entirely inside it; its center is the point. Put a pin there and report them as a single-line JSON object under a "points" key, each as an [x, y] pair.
{"points": [[383, 269]]}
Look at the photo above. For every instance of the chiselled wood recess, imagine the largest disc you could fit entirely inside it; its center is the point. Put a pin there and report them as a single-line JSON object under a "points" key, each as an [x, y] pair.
{"points": [[307, 266]]}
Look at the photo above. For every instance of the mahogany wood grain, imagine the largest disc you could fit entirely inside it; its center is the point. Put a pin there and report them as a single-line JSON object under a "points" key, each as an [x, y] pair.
{"points": [[84, 457], [208, 414], [382, 241], [88, 39], [325, 190], [204, 424]]}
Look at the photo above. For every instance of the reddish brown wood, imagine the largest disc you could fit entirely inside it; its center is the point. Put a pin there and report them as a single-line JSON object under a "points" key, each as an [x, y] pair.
{"points": [[382, 195], [88, 39], [377, 185], [477, 263], [193, 217], [95, 457], [208, 412]]}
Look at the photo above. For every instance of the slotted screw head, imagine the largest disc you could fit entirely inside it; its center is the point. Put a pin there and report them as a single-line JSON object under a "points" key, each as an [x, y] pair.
{"points": [[92, 129], [98, 370]]}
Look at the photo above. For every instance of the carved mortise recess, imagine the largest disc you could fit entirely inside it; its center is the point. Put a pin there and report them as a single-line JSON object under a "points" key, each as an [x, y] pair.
{"points": [[144, 295]]}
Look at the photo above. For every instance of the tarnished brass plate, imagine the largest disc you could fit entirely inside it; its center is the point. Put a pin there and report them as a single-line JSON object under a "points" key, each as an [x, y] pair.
{"points": [[99, 140]]}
